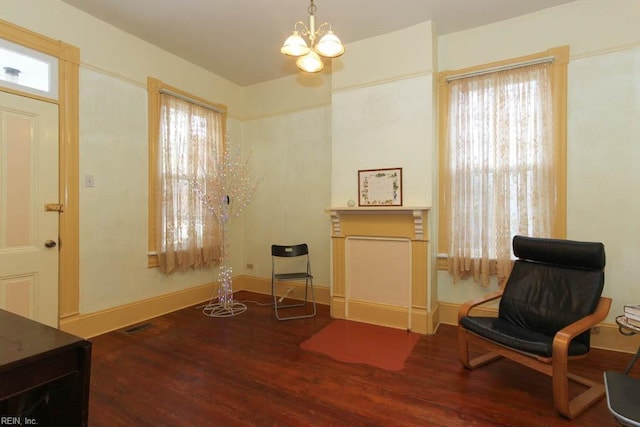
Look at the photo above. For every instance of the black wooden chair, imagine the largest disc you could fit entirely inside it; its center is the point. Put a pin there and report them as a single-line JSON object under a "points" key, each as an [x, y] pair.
{"points": [[547, 308]]}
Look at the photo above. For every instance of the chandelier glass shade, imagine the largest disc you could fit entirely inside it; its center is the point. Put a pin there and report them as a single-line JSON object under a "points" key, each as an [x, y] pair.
{"points": [[309, 53], [310, 62]]}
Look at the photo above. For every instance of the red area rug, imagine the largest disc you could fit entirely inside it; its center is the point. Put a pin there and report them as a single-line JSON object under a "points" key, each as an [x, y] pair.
{"points": [[356, 342]]}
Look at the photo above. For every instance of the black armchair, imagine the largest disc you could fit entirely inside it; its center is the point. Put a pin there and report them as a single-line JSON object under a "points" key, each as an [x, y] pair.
{"points": [[547, 308]]}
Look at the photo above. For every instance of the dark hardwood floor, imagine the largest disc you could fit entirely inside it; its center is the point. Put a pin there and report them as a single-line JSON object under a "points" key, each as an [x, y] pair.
{"points": [[187, 369]]}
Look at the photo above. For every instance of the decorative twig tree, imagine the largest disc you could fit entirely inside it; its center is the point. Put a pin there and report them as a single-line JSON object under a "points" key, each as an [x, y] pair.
{"points": [[225, 194]]}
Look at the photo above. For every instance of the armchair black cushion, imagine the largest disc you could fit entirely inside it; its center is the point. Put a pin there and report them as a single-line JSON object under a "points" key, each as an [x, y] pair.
{"points": [[552, 299], [553, 284]]}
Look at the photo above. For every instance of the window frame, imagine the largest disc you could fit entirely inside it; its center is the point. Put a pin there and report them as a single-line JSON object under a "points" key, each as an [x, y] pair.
{"points": [[154, 88], [559, 93], [52, 62]]}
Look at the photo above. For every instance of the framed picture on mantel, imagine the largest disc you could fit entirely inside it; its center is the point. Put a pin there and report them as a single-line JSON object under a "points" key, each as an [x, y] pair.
{"points": [[380, 187]]}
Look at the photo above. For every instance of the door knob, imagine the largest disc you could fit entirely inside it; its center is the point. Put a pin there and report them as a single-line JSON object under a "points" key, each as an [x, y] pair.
{"points": [[50, 244]]}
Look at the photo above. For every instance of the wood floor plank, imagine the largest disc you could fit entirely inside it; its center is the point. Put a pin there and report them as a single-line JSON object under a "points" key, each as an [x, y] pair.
{"points": [[188, 369]]}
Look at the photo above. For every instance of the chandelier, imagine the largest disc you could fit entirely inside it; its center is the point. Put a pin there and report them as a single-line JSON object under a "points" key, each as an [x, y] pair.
{"points": [[328, 45]]}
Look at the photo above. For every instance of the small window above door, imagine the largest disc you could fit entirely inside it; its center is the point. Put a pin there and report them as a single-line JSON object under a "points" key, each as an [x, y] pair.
{"points": [[28, 70]]}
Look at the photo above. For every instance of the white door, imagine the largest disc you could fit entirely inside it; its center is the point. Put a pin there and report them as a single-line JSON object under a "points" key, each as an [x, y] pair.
{"points": [[28, 233]]}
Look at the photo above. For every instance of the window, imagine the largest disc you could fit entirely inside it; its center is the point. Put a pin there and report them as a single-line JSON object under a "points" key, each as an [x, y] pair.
{"points": [[502, 161], [28, 70], [186, 138]]}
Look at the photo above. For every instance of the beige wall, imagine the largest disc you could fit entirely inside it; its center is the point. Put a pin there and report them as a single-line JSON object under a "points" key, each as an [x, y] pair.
{"points": [[398, 55], [303, 91], [289, 140], [588, 26], [382, 114], [604, 153]]}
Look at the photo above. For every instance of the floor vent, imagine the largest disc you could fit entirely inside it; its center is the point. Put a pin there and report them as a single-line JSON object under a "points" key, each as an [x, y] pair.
{"points": [[136, 328]]}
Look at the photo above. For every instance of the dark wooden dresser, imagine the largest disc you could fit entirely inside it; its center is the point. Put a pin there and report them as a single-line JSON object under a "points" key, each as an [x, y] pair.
{"points": [[44, 374]]}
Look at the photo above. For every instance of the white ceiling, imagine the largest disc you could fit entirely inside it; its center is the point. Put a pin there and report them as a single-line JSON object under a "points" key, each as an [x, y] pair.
{"points": [[240, 39]]}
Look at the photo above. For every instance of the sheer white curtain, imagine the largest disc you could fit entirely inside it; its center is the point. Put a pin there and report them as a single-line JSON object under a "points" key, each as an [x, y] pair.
{"points": [[189, 148], [500, 160]]}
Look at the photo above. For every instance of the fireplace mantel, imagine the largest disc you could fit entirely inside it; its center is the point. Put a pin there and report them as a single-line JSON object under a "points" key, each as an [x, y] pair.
{"points": [[417, 213], [355, 265]]}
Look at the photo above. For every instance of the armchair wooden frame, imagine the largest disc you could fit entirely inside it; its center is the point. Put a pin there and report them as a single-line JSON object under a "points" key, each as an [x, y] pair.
{"points": [[555, 366]]}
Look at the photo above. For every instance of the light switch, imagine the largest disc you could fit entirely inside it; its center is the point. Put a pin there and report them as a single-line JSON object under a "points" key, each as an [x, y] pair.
{"points": [[88, 181]]}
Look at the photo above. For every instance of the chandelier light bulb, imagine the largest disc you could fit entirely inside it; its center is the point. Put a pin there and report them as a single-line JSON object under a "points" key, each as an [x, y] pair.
{"points": [[311, 62]]}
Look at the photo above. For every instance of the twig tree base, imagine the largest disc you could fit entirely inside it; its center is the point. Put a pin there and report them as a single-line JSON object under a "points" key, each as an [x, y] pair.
{"points": [[218, 309]]}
